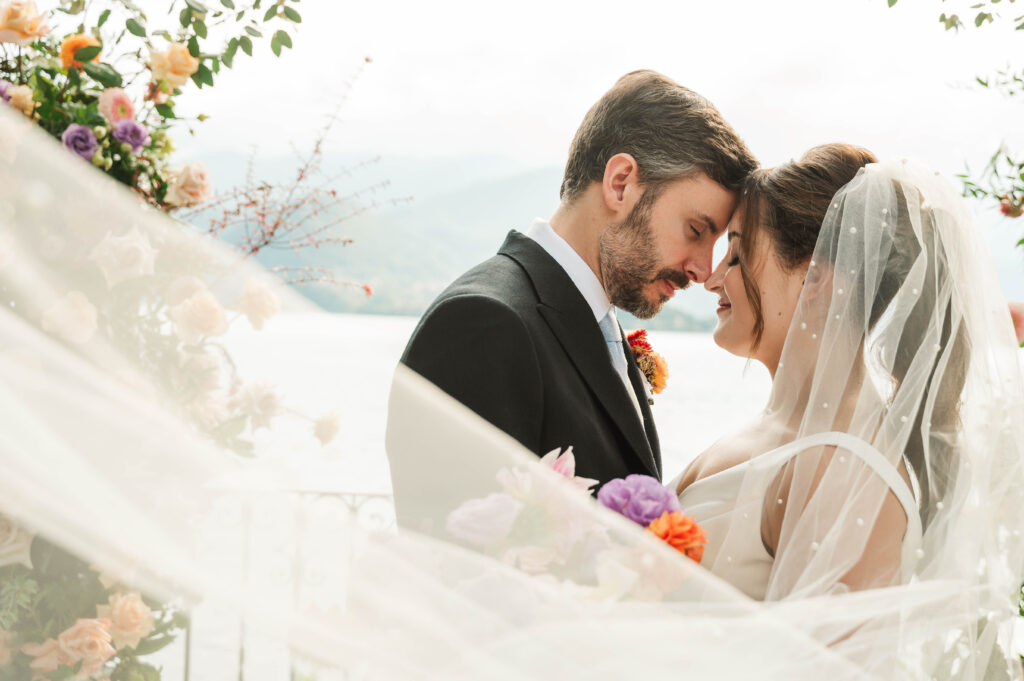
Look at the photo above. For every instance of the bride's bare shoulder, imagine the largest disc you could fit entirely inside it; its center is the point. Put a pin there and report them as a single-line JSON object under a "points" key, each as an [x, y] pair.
{"points": [[731, 450]]}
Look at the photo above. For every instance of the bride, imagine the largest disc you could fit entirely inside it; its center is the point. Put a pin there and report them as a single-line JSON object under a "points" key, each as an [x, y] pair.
{"points": [[867, 526]]}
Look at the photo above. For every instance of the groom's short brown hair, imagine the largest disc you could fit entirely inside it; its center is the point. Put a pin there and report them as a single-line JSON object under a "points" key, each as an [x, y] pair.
{"points": [[670, 130]]}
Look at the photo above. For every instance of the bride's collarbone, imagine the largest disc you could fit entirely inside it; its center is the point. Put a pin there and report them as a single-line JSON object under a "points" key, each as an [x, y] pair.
{"points": [[732, 450]]}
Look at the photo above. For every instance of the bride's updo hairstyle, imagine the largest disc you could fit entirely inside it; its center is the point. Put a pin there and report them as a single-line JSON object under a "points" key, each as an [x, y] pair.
{"points": [[786, 205]]}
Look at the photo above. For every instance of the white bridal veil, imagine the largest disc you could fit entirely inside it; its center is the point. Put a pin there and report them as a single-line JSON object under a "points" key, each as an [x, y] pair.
{"points": [[118, 452]]}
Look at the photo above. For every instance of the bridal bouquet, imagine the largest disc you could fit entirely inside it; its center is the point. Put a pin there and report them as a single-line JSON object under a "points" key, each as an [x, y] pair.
{"points": [[104, 79]]}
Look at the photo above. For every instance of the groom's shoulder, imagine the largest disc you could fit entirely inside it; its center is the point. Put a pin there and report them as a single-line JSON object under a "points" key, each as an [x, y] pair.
{"points": [[502, 278]]}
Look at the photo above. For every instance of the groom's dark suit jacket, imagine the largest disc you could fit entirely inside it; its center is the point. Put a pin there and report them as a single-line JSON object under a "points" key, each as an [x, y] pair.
{"points": [[515, 340]]}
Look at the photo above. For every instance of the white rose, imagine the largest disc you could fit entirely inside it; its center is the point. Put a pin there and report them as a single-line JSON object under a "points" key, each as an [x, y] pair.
{"points": [[258, 303], [131, 620], [531, 559], [199, 315], [484, 522], [73, 318], [20, 98], [260, 402], [189, 186], [124, 257], [184, 288], [6, 651], [15, 544], [21, 22], [327, 427]]}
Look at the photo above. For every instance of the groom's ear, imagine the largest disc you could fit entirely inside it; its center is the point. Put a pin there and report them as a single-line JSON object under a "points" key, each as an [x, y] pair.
{"points": [[620, 186]]}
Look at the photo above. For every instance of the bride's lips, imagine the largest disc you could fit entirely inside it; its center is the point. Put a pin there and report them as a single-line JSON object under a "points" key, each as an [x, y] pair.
{"points": [[723, 305]]}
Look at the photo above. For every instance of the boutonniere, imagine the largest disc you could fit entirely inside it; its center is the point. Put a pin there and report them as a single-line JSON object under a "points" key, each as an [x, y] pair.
{"points": [[653, 366]]}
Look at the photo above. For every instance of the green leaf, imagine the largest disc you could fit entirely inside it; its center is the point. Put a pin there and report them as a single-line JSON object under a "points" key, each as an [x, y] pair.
{"points": [[103, 18], [200, 28], [293, 15], [135, 28], [84, 54], [283, 38], [104, 74], [197, 6], [185, 18], [228, 4], [982, 18], [150, 646], [981, 81], [271, 13], [204, 76], [255, 33], [892, 2], [246, 44], [215, 65], [165, 110], [231, 428], [275, 46], [193, 47]]}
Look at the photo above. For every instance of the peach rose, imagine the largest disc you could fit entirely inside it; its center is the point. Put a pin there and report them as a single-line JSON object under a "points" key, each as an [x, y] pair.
{"points": [[184, 288], [261, 402], [22, 99], [88, 641], [199, 315], [21, 23], [1017, 315], [258, 303], [131, 619], [115, 105], [46, 657], [6, 652], [175, 66], [72, 44], [201, 371], [125, 257], [73, 318], [327, 427], [189, 186], [15, 544]]}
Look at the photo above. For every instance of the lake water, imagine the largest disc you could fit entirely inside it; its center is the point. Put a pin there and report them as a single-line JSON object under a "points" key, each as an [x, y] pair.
{"points": [[323, 362]]}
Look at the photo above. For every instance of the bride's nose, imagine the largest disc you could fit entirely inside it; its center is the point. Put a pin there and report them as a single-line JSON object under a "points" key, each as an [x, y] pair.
{"points": [[714, 282]]}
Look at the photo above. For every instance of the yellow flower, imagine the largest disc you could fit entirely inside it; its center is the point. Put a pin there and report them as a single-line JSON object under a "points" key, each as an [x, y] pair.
{"points": [[72, 44], [21, 99], [175, 66]]}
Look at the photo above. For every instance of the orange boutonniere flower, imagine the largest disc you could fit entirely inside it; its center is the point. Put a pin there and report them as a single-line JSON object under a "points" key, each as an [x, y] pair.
{"points": [[679, 530], [73, 44], [653, 365]]}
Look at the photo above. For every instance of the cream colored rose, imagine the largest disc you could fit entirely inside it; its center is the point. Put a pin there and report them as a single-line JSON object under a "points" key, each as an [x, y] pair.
{"points": [[260, 402], [6, 651], [199, 315], [184, 288], [131, 620], [201, 371], [327, 427], [88, 641], [46, 657], [174, 66], [189, 186], [73, 318], [21, 23], [125, 257], [21, 99], [258, 303]]}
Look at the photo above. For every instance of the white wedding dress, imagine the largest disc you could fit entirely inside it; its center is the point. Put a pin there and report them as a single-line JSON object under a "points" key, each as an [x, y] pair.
{"points": [[714, 503]]}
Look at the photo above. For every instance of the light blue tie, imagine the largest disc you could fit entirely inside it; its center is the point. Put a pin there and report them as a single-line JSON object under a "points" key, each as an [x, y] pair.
{"points": [[613, 337]]}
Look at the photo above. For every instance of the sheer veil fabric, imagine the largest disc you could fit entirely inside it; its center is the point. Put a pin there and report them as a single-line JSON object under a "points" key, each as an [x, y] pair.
{"points": [[516, 573]]}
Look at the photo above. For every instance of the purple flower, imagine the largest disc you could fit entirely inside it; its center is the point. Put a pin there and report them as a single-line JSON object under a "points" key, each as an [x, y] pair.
{"points": [[640, 498], [81, 140], [131, 132], [4, 87]]}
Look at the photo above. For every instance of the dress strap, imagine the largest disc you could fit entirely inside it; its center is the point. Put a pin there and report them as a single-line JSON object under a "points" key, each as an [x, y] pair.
{"points": [[883, 469]]}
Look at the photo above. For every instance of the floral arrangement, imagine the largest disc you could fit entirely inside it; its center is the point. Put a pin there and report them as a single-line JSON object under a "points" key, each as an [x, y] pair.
{"points": [[544, 534], [60, 619], [650, 504], [107, 86], [652, 365]]}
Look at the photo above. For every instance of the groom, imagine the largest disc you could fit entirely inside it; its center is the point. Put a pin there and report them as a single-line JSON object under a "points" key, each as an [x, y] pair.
{"points": [[529, 339]]}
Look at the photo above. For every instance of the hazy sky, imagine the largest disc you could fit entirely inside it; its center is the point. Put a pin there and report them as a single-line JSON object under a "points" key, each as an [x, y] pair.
{"points": [[455, 77]]}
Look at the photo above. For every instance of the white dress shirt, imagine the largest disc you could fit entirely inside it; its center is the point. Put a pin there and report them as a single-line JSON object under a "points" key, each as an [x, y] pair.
{"points": [[587, 283]]}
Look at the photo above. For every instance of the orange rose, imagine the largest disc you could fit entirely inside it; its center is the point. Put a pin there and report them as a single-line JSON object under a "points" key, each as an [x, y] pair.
{"points": [[660, 373], [72, 44], [681, 532]]}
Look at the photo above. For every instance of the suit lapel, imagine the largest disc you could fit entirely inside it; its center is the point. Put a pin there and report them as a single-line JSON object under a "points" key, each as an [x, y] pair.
{"points": [[572, 322], [637, 380]]}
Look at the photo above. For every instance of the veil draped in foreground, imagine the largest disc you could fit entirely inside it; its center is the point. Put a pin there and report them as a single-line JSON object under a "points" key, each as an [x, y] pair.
{"points": [[109, 461]]}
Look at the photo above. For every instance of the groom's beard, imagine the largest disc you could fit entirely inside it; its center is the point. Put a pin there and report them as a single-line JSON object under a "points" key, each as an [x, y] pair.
{"points": [[629, 262]]}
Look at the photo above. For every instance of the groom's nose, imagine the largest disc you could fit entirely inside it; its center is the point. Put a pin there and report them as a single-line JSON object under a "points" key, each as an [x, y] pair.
{"points": [[698, 266]]}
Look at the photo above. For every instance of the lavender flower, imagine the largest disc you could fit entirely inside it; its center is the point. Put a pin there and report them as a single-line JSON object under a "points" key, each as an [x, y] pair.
{"points": [[640, 498], [81, 140], [4, 87], [131, 132]]}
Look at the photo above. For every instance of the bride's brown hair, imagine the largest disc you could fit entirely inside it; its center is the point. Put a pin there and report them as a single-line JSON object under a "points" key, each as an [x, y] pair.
{"points": [[787, 205]]}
